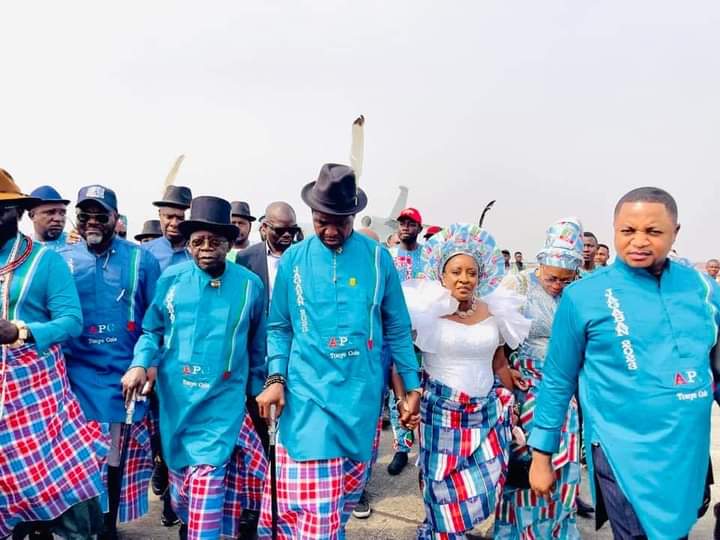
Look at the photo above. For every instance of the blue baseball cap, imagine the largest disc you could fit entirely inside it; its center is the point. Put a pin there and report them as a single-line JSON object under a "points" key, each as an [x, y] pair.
{"points": [[100, 194], [47, 195]]}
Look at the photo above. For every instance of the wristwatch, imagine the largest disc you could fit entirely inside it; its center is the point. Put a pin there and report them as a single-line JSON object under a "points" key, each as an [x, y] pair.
{"points": [[23, 333]]}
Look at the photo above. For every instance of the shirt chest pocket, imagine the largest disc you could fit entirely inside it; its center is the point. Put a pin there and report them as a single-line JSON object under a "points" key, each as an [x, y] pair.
{"points": [[687, 382]]}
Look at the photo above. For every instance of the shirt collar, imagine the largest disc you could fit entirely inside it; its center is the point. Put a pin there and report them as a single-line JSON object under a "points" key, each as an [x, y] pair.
{"points": [[641, 273]]}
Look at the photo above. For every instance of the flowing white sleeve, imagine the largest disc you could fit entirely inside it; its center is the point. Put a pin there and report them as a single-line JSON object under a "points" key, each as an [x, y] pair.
{"points": [[506, 306], [427, 301]]}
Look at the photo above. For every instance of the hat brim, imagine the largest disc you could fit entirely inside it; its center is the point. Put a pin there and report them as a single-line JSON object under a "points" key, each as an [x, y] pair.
{"points": [[314, 204], [171, 204], [249, 218], [400, 218], [98, 201], [188, 227], [143, 236], [40, 202], [18, 199]]}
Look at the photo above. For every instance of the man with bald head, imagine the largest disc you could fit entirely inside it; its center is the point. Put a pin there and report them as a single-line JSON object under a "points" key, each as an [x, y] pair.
{"points": [[279, 227]]}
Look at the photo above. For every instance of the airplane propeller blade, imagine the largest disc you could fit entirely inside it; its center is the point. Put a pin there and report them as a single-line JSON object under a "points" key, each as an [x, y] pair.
{"points": [[170, 180], [485, 211], [357, 146]]}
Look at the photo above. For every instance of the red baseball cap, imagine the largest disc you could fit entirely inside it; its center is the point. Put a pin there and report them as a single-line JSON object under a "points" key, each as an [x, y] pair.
{"points": [[411, 213], [431, 230]]}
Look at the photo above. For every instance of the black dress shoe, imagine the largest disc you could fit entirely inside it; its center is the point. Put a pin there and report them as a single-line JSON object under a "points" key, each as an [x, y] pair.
{"points": [[398, 463], [584, 509], [168, 518], [41, 533], [159, 479], [247, 526]]}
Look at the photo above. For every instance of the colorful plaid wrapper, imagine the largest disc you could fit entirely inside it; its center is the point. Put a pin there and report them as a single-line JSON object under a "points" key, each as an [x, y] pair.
{"points": [[49, 453], [315, 498], [464, 445]]}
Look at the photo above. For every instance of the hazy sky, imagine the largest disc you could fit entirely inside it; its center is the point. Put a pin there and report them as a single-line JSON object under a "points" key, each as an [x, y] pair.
{"points": [[553, 108]]}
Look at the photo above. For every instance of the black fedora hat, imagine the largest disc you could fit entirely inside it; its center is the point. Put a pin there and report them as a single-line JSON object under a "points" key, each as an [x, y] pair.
{"points": [[335, 192], [176, 197], [209, 214], [242, 209], [151, 229]]}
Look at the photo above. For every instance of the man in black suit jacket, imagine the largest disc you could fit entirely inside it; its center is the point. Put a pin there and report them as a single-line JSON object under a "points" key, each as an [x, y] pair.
{"points": [[280, 228]]}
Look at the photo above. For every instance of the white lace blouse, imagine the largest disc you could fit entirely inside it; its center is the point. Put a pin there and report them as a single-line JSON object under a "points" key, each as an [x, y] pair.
{"points": [[464, 356], [460, 355]]}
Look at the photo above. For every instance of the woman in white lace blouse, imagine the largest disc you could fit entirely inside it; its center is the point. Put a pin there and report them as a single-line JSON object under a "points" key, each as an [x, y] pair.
{"points": [[462, 320]]}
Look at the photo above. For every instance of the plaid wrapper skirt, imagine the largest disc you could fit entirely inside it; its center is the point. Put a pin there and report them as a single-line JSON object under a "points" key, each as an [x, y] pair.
{"points": [[49, 453], [522, 515], [137, 471], [315, 498], [464, 444], [210, 500]]}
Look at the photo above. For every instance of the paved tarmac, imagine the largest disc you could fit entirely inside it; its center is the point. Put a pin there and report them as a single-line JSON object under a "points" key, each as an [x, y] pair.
{"points": [[397, 508]]}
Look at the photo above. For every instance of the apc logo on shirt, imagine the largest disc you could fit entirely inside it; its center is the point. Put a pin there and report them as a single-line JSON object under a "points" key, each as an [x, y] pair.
{"points": [[100, 329], [339, 341], [688, 377]]}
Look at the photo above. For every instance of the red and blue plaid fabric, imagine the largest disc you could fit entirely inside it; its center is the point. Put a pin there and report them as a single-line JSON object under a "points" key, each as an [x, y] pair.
{"points": [[198, 496], [49, 453], [464, 445], [315, 498], [241, 482], [251, 467], [521, 514], [137, 471]]}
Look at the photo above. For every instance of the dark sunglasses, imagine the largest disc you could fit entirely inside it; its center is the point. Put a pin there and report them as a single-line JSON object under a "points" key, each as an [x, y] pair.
{"points": [[84, 217], [282, 231]]}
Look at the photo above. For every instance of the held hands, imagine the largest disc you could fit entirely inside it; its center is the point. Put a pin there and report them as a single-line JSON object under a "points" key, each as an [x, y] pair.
{"points": [[272, 395], [518, 380], [542, 475], [409, 410], [8, 332]]}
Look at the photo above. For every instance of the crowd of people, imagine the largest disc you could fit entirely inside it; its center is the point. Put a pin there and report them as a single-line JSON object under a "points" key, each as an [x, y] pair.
{"points": [[245, 383]]}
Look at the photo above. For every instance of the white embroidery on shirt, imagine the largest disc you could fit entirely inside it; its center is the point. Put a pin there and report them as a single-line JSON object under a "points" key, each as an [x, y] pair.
{"points": [[169, 299], [621, 329], [300, 300]]}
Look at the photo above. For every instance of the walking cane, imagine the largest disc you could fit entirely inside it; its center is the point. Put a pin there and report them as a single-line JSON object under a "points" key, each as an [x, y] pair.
{"points": [[127, 430], [272, 433]]}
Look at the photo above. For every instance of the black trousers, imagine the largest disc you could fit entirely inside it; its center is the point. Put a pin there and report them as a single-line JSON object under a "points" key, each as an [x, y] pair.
{"points": [[612, 504]]}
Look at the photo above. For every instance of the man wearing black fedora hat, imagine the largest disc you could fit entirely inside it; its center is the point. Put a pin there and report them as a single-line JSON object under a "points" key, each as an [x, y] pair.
{"points": [[243, 220], [170, 248], [336, 299], [207, 326], [150, 231]]}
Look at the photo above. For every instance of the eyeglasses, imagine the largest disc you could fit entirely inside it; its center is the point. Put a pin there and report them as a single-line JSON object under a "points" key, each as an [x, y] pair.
{"points": [[84, 217], [282, 231], [553, 280], [213, 242]]}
